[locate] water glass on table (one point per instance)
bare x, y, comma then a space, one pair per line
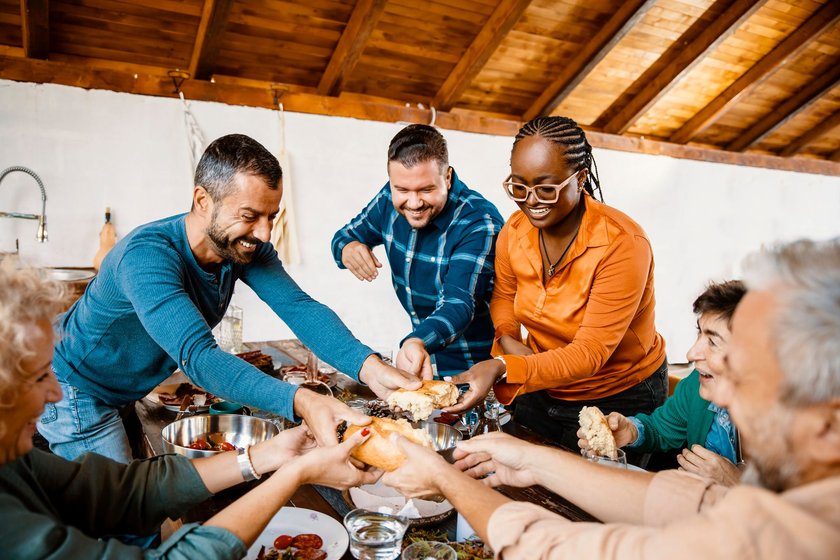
374, 535
620, 461
429, 550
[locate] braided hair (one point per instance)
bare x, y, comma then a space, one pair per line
567, 133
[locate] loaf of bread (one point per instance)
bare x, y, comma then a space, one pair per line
421, 402
597, 431
379, 451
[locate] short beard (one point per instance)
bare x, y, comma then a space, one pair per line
772, 468
222, 244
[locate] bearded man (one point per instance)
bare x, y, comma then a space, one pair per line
161, 290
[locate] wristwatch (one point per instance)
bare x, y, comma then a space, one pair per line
502, 378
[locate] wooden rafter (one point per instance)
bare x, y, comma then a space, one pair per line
676, 62
793, 45
351, 45
812, 135
148, 80
35, 28
803, 99
208, 40
576, 70
492, 33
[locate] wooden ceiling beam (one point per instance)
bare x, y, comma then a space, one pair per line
591, 53
350, 46
208, 39
140, 80
492, 33
792, 46
812, 135
35, 28
791, 107
683, 55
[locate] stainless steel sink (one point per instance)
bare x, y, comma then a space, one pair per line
70, 274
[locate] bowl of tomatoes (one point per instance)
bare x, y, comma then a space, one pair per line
206, 435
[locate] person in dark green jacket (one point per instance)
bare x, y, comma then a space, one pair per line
54, 508
688, 419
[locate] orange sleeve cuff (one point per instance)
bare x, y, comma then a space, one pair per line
517, 374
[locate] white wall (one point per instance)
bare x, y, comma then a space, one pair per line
96, 148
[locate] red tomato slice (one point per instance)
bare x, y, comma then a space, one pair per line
283, 541
310, 554
308, 540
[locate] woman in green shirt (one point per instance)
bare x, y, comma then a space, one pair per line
688, 419
54, 508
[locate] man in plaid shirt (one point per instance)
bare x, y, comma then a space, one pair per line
440, 238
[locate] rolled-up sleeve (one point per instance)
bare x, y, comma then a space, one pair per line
675, 495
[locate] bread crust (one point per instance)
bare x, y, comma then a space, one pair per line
378, 451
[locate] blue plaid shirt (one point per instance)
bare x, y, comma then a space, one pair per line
442, 273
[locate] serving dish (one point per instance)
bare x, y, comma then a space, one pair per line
236, 429
294, 521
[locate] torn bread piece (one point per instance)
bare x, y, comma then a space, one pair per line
597, 432
421, 402
379, 451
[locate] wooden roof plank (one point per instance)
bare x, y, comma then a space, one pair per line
794, 44
503, 18
350, 46
791, 107
35, 28
676, 62
576, 70
812, 135
208, 39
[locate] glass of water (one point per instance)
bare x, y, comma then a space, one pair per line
618, 462
374, 535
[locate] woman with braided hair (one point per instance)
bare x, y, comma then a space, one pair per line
578, 275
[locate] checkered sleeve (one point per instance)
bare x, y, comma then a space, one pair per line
366, 227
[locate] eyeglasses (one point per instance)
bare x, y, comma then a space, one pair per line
547, 194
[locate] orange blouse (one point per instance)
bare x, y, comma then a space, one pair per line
592, 326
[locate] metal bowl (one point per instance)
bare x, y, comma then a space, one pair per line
444, 438
237, 429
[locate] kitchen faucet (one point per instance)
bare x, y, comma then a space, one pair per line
42, 217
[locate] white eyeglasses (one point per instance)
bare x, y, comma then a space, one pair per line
547, 194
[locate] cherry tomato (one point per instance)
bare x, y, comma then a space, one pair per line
200, 444
227, 446
283, 541
308, 540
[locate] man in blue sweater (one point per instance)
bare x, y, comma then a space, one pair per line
162, 288
439, 237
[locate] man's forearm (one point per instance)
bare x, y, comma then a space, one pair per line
610, 494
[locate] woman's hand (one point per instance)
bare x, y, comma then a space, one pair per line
623, 430
421, 473
272, 454
510, 345
699, 460
332, 465
502, 458
481, 378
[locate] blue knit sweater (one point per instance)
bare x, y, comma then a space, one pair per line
151, 308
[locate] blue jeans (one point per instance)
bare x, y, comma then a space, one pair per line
81, 423
557, 420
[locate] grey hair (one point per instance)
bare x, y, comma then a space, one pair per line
232, 154
805, 276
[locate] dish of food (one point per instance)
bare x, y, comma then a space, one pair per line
171, 395
304, 525
378, 497
300, 370
216, 441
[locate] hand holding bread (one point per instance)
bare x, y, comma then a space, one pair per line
421, 402
595, 429
622, 429
378, 450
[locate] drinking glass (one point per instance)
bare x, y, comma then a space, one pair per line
620, 461
230, 330
429, 550
374, 535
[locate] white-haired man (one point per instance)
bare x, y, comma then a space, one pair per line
781, 384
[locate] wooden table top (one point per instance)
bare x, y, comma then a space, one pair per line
153, 417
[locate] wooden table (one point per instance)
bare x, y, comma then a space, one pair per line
154, 417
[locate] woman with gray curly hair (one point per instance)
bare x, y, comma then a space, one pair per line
51, 507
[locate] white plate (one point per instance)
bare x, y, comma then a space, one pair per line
294, 521
169, 388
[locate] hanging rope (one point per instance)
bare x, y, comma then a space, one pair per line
284, 234
195, 137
